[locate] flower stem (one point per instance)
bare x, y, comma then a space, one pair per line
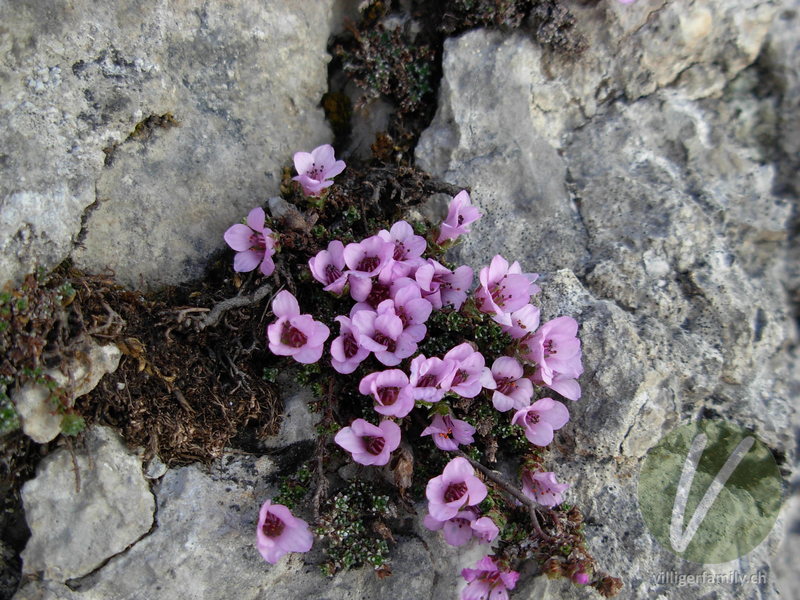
511, 491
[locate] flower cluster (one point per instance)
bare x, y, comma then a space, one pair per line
394, 284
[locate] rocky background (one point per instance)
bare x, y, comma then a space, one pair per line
652, 181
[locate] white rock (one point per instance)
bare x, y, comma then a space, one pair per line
39, 419
75, 531
244, 81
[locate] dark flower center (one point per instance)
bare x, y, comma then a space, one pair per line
385, 341
272, 526
448, 422
388, 395
460, 220
532, 418
315, 171
400, 251
506, 386
427, 381
455, 491
400, 311
497, 295
350, 346
490, 577
332, 273
292, 336
377, 294
368, 263
257, 241
461, 377
374, 445
446, 434
548, 348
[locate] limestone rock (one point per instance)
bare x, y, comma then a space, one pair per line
661, 213
299, 422
633, 50
73, 532
206, 521
142, 131
38, 419
484, 136
45, 590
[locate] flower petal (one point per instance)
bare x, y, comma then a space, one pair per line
541, 434
238, 237
285, 305
557, 416
246, 261
302, 161
308, 355
255, 220
324, 156
335, 169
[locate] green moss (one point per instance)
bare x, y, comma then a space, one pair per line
29, 315
72, 424
350, 526
387, 62
270, 374
9, 420
293, 488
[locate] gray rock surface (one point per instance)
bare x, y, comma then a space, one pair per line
663, 205
299, 421
203, 548
80, 167
39, 420
75, 527
650, 181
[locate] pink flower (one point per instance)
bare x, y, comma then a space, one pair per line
412, 309
369, 444
487, 581
512, 390
581, 577
523, 322
368, 257
460, 214
504, 289
543, 488
382, 333
408, 248
328, 267
346, 351
443, 287
541, 419
448, 432
471, 373
485, 529
368, 292
457, 530
315, 170
293, 334
279, 532
454, 489
461, 528
555, 348
563, 384
253, 243
430, 377
390, 391
557, 353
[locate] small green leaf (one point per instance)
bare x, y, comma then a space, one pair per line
72, 424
